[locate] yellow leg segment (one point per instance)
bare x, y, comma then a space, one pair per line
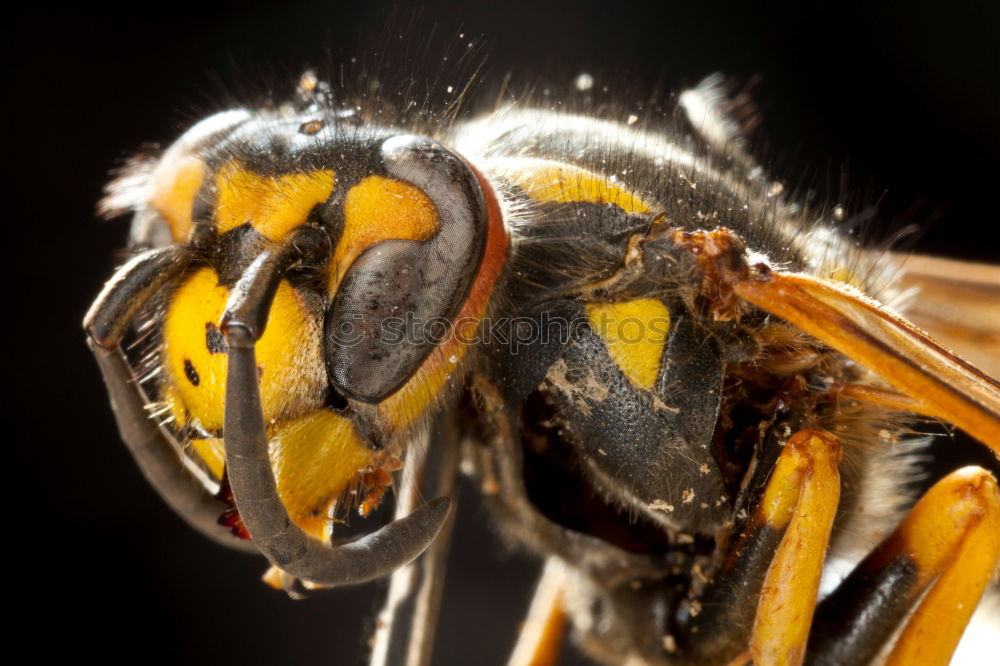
952, 536
542, 634
801, 498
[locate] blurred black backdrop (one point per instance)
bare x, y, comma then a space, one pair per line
906, 103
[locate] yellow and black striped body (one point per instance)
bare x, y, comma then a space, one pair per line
543, 280
624, 420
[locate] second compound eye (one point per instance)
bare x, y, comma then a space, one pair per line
411, 245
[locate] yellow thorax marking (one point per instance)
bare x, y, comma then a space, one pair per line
546, 180
635, 333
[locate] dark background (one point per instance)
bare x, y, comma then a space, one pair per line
899, 106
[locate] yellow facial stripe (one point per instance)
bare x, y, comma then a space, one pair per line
315, 458
635, 333
378, 209
174, 191
558, 182
273, 205
289, 354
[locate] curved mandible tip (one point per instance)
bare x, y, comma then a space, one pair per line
255, 491
153, 447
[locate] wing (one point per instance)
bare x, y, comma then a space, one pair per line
958, 303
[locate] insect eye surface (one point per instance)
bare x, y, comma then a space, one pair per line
418, 233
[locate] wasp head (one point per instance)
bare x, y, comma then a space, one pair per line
321, 274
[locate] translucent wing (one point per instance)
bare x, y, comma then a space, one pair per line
958, 303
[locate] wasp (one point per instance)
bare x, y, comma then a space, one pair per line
682, 390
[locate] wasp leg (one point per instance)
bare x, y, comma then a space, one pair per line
407, 622
867, 332
895, 400
128, 291
543, 631
944, 551
251, 477
768, 585
803, 494
153, 448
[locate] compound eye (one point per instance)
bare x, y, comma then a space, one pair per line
400, 294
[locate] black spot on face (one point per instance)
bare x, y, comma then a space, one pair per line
191, 373
214, 339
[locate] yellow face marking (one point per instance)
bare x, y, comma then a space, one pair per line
635, 333
378, 209
289, 354
273, 205
545, 180
314, 459
212, 452
175, 185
